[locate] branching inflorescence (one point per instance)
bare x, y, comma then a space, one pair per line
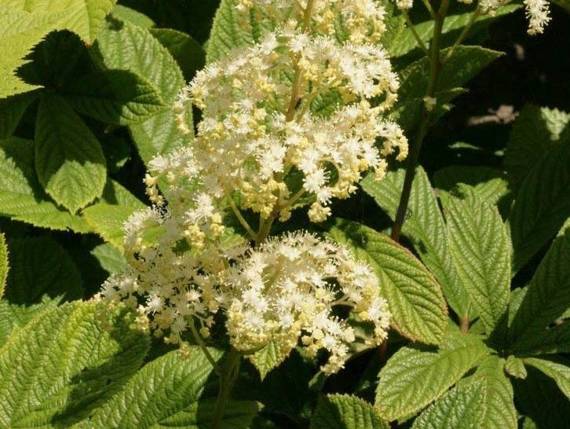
292, 121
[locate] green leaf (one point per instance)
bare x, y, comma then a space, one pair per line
4, 264
268, 358
345, 412
465, 63
414, 297
21, 196
114, 96
405, 41
133, 16
481, 249
125, 46
69, 160
463, 407
515, 367
19, 33
107, 217
547, 296
83, 17
11, 112
425, 227
414, 378
110, 258
230, 29
488, 184
500, 411
188, 53
558, 372
58, 368
14, 316
41, 269
170, 392
542, 204
535, 132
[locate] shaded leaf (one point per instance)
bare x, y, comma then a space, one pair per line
345, 412
559, 372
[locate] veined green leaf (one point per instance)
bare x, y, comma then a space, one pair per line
547, 296
110, 258
59, 367
4, 264
69, 160
41, 269
425, 227
14, 316
345, 412
268, 358
542, 204
114, 96
21, 196
19, 33
414, 297
133, 16
463, 407
488, 184
188, 53
560, 373
11, 112
498, 399
514, 366
125, 46
414, 378
83, 17
170, 392
535, 132
481, 248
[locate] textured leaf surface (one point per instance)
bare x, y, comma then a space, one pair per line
535, 132
481, 248
110, 258
83, 17
345, 412
69, 160
488, 184
542, 204
514, 366
414, 297
424, 225
114, 96
560, 373
41, 269
547, 297
63, 363
170, 392
22, 197
14, 316
188, 53
19, 33
230, 29
405, 41
125, 46
498, 398
414, 378
463, 407
268, 358
11, 111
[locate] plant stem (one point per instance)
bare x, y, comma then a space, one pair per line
200, 341
419, 40
227, 379
426, 117
241, 219
476, 13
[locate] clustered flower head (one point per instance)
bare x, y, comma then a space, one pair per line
289, 288
294, 120
537, 11
301, 102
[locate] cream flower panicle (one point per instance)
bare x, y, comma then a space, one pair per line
288, 289
299, 101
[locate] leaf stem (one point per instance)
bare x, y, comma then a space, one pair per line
476, 13
200, 341
426, 117
242, 220
228, 377
412, 27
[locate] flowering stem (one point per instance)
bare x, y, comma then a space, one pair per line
476, 13
227, 379
419, 40
242, 220
426, 118
200, 342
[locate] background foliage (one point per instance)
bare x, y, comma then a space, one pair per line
85, 101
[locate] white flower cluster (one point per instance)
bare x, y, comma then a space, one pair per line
298, 102
294, 120
537, 11
289, 289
